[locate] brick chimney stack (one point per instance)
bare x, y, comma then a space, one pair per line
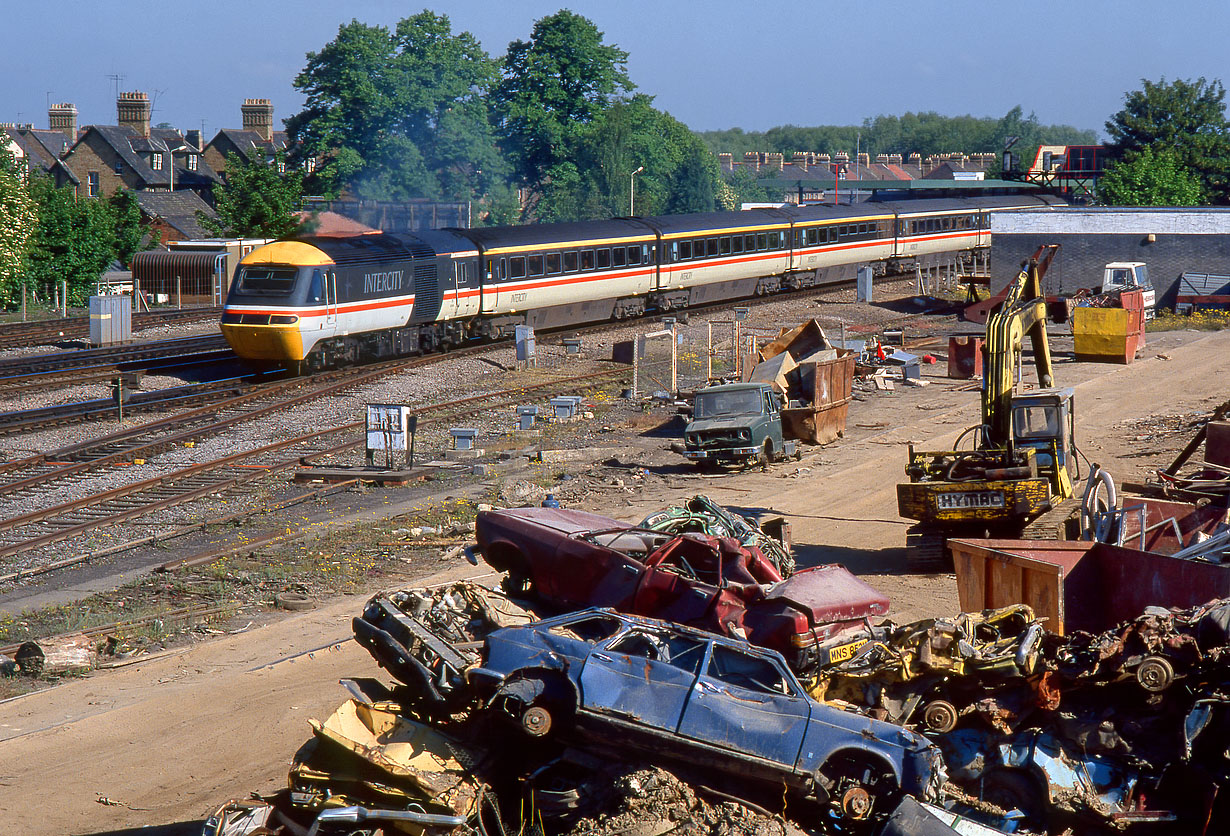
132, 111
63, 118
258, 116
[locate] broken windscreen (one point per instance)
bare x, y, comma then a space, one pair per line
725, 404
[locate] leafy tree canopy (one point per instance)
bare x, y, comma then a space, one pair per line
74, 240
1186, 117
678, 174
551, 87
399, 114
922, 133
18, 219
255, 200
1150, 177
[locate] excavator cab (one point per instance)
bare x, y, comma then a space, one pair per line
1044, 420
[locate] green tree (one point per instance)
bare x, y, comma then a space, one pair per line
552, 87
399, 114
678, 174
1186, 117
255, 200
74, 240
126, 216
18, 221
1150, 177
745, 188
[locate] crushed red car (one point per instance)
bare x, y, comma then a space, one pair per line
574, 559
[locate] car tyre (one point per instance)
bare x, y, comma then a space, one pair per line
860, 791
518, 584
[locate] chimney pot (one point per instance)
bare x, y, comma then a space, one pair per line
63, 118
132, 111
258, 117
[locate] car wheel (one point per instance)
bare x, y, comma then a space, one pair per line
940, 716
538, 703
859, 790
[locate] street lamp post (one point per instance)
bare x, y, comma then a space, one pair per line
171, 159
632, 190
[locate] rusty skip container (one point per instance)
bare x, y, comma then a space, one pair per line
1079, 585
1110, 335
824, 388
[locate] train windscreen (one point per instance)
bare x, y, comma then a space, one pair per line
267, 281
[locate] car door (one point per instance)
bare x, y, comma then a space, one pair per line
643, 676
748, 703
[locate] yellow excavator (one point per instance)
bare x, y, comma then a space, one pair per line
1016, 477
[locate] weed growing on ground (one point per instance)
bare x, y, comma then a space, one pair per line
1206, 320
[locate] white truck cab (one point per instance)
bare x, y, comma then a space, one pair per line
1130, 275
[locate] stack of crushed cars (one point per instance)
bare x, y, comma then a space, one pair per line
525, 707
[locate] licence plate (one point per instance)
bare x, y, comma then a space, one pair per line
845, 651
970, 499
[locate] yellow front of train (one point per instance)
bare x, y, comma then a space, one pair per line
268, 305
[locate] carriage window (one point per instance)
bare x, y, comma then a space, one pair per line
552, 263
516, 267
617, 256
570, 261
634, 255
775, 240
724, 245
698, 248
587, 259
711, 246
535, 265
736, 244
685, 250
762, 241
813, 236
604, 258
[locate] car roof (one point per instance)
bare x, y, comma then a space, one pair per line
732, 387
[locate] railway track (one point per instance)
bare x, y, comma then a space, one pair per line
44, 331
117, 357
26, 536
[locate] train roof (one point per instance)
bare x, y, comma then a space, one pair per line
498, 237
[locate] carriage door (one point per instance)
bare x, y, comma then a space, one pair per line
492, 272
331, 301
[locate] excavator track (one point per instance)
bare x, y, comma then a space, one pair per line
1055, 524
926, 550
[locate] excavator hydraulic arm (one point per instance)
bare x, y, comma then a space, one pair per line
1023, 312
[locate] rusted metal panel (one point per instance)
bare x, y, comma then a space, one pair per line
964, 357
1080, 585
1159, 532
829, 385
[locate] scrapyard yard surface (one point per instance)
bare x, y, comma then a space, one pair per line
167, 740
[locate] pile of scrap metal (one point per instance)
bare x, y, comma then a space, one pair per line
426, 638
701, 515
1207, 480
1088, 730
569, 560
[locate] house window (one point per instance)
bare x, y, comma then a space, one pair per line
156, 162
192, 162
281, 166
119, 166
93, 180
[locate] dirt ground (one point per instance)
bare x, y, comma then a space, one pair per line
160, 743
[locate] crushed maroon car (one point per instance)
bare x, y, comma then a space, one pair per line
574, 559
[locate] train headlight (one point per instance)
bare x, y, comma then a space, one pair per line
283, 319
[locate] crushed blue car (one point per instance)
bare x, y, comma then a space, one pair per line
632, 683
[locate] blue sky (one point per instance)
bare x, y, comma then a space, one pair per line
713, 64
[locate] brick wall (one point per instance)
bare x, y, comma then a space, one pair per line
1082, 257
96, 155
